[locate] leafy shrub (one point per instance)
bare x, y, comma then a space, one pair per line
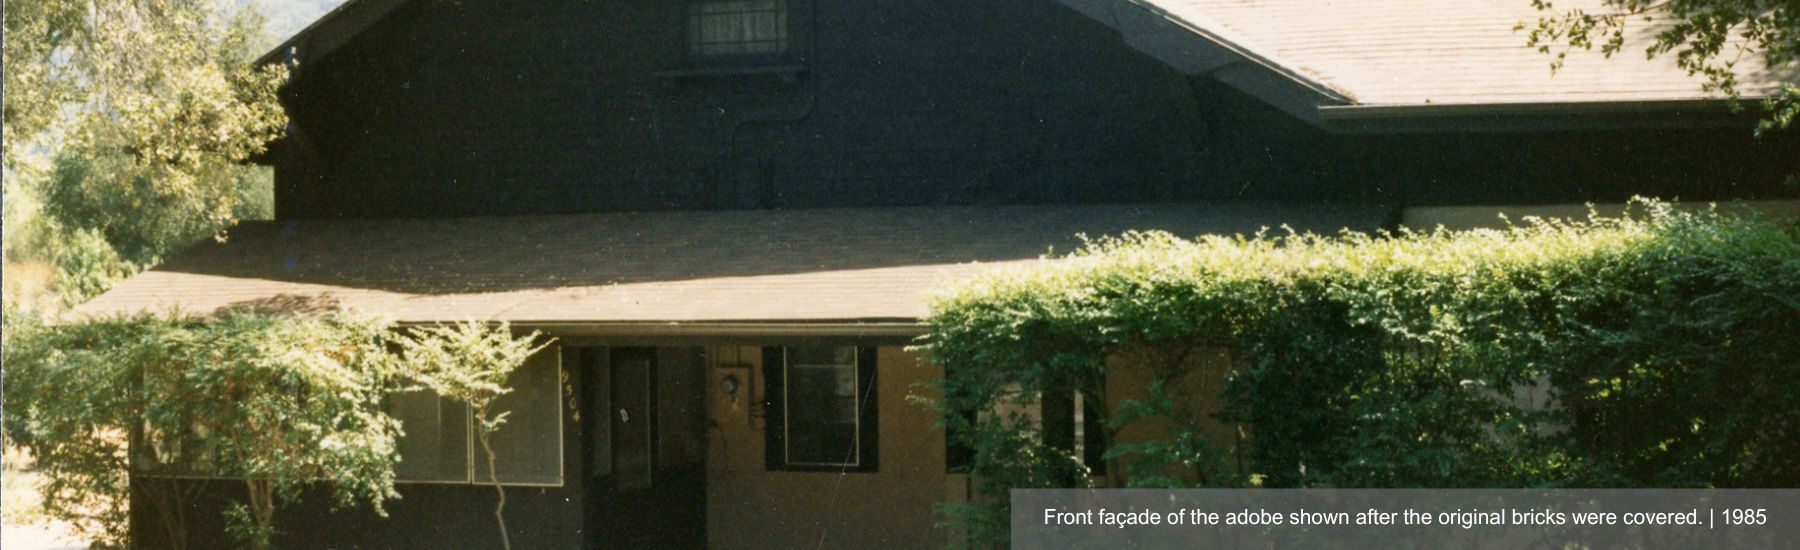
279, 403
86, 265
1660, 345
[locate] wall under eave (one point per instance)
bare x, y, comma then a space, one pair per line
749, 506
1257, 153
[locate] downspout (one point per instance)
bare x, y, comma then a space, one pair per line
805, 112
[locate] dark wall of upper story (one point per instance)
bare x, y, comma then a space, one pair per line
494, 107
446, 108
1255, 151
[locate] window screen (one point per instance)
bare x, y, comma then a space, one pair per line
737, 27
434, 445
528, 447
439, 444
822, 410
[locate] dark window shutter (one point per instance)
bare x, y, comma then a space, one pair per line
870, 434
774, 414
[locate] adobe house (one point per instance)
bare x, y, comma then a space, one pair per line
730, 213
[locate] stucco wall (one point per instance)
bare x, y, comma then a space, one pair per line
751, 507
1198, 392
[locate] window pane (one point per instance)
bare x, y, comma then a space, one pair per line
737, 27
435, 444
528, 447
171, 451
821, 406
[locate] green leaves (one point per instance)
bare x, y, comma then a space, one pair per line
282, 403
1707, 37
150, 111
1650, 350
469, 362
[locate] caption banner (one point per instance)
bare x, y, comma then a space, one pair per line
1405, 518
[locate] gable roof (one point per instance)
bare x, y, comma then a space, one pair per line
826, 265
1403, 53
1340, 59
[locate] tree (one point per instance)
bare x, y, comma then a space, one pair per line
1707, 37
280, 404
471, 362
150, 110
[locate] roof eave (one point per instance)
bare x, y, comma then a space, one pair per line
1537, 115
1159, 33
331, 30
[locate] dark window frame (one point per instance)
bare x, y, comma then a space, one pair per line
775, 426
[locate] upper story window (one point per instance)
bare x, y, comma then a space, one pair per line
719, 28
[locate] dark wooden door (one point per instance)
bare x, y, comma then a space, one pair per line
641, 499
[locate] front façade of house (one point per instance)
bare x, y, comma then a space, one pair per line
729, 213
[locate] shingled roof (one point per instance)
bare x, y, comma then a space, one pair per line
1341, 59
827, 265
1371, 53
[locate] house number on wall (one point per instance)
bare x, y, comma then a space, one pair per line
569, 397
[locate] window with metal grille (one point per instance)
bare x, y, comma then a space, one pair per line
719, 28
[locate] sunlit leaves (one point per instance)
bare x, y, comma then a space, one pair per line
1708, 38
150, 111
1649, 350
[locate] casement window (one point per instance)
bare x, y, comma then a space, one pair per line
723, 28
440, 446
821, 404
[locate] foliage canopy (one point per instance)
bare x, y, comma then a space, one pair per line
149, 111
280, 404
1654, 350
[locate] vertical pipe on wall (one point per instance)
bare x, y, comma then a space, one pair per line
764, 195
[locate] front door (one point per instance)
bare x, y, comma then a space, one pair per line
646, 497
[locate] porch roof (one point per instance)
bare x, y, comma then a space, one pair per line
832, 266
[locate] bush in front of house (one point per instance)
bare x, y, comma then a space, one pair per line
1660, 349
127, 410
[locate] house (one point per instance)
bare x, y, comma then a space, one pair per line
729, 213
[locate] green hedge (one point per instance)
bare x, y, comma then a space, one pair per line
1669, 342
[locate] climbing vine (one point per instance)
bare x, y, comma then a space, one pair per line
1654, 349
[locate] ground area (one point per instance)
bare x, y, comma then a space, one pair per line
22, 524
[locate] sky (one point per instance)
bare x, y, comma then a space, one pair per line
287, 17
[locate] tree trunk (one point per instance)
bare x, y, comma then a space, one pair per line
262, 511
494, 476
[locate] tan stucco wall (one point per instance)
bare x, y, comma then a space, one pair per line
1198, 390
751, 507
1488, 216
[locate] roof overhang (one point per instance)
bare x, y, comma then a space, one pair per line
1186, 43
1185, 36
1512, 117
843, 273
336, 28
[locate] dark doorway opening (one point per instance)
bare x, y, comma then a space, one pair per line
646, 447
